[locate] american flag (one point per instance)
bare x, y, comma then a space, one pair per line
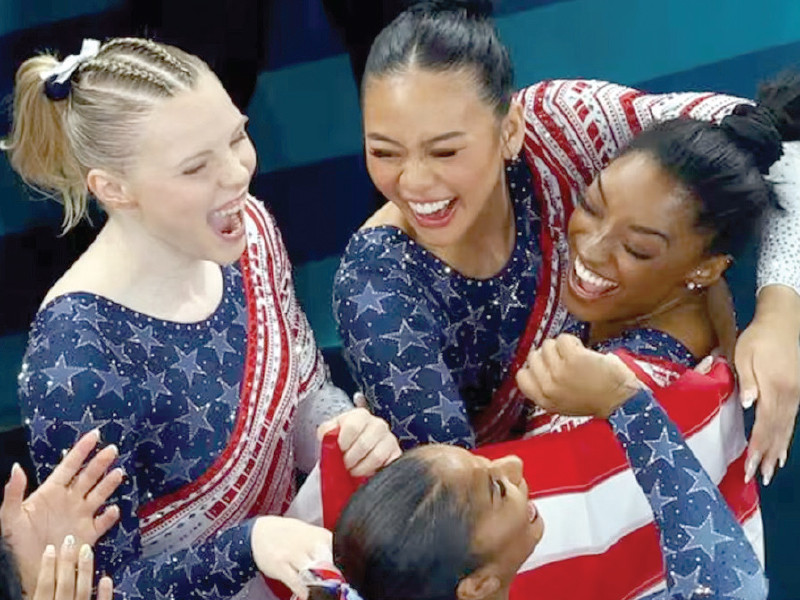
600, 541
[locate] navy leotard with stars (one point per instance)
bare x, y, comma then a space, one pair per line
706, 554
427, 345
166, 394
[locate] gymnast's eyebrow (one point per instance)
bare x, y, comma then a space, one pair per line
379, 137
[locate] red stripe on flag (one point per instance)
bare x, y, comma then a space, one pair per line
617, 574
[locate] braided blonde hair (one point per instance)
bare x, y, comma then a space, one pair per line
53, 144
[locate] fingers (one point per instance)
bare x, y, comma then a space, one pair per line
753, 461
65, 570
374, 437
386, 451
105, 589
14, 492
762, 453
748, 385
351, 426
327, 427
360, 400
321, 551
704, 366
100, 493
528, 380
71, 464
568, 344
769, 440
46, 582
83, 587
104, 522
290, 577
290, 572
95, 471
365, 441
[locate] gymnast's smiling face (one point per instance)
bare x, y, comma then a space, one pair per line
436, 149
634, 243
187, 187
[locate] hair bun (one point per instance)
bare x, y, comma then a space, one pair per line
479, 9
754, 129
782, 96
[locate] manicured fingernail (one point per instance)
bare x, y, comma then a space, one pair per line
748, 398
69, 541
15, 467
751, 466
86, 552
50, 550
767, 477
96, 433
114, 446
782, 459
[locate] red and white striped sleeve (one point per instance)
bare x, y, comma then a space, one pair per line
575, 127
582, 124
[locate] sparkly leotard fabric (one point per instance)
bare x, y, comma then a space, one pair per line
429, 345
705, 551
203, 415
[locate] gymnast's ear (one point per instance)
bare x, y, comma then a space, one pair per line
512, 131
479, 585
109, 189
709, 271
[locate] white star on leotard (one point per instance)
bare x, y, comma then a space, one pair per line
196, 418
704, 537
405, 338
219, 344
113, 382
188, 364
369, 299
60, 375
446, 409
663, 448
144, 337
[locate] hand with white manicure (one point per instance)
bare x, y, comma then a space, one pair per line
767, 360
69, 576
65, 506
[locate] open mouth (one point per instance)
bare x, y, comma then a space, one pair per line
588, 284
433, 214
228, 221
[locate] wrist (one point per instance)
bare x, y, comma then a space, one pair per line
626, 390
779, 305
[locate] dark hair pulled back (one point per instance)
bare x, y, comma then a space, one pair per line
405, 535
445, 35
722, 166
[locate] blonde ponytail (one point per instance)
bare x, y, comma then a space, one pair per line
38, 146
54, 143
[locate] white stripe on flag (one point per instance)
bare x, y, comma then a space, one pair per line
590, 522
